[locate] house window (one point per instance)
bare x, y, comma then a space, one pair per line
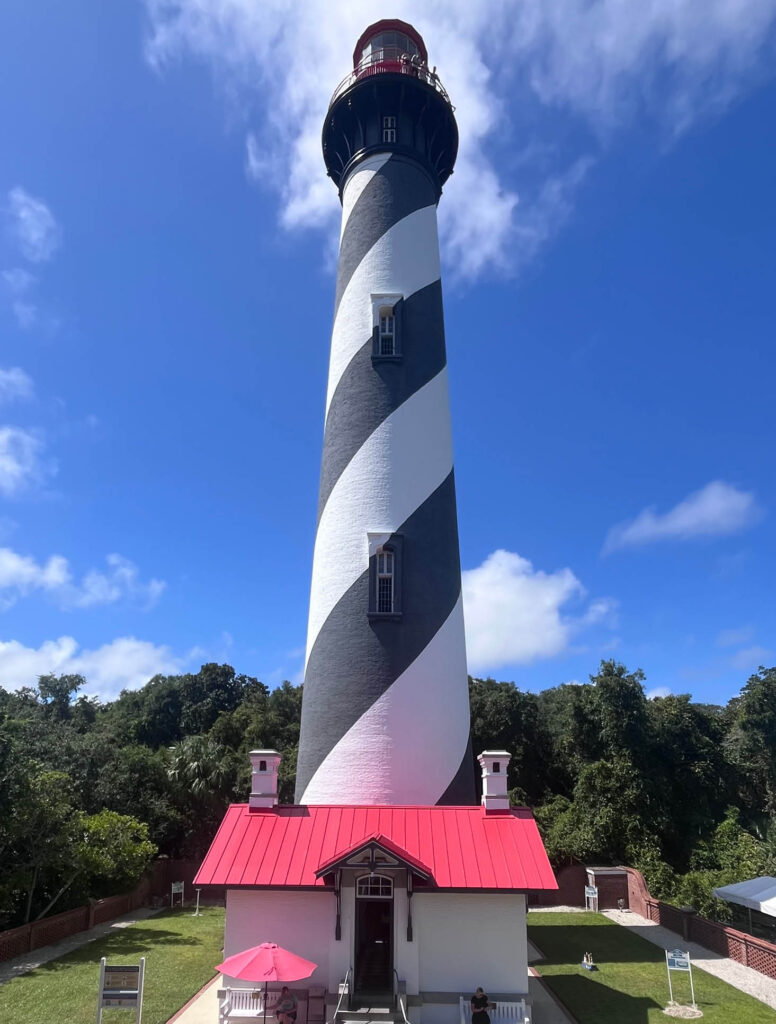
389, 129
374, 886
386, 332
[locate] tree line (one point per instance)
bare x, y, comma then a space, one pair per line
91, 791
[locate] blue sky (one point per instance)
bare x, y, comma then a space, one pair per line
167, 240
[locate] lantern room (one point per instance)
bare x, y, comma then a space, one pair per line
391, 101
390, 42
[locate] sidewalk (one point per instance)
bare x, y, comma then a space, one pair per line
743, 978
29, 961
545, 1008
201, 1008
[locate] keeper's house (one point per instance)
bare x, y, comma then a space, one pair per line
426, 900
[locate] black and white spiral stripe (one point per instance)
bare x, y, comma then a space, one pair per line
385, 716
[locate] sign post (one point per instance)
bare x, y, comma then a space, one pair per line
196, 912
679, 960
591, 897
176, 889
121, 987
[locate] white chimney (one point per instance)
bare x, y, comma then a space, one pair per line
264, 779
494, 779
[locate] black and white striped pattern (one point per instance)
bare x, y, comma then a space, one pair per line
385, 716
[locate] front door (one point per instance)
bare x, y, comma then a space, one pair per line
374, 944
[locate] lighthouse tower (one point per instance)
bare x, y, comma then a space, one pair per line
385, 713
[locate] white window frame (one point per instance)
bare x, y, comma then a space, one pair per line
389, 128
375, 881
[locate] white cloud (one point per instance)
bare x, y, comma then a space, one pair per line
735, 637
750, 658
658, 691
20, 575
509, 69
21, 463
515, 613
717, 510
14, 383
120, 581
19, 283
124, 663
33, 226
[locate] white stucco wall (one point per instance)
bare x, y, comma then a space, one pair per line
460, 940
471, 939
302, 922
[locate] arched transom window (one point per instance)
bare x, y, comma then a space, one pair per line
375, 886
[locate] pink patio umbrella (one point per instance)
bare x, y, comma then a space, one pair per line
267, 962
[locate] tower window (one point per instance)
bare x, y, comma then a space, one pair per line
262, 766
389, 129
385, 569
384, 582
386, 327
496, 767
386, 332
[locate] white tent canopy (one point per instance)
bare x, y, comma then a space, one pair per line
756, 894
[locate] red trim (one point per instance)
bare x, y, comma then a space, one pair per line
389, 25
379, 840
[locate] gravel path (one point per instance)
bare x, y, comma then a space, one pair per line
743, 978
29, 961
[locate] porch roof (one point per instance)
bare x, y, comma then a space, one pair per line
460, 847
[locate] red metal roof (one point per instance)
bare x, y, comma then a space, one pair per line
462, 847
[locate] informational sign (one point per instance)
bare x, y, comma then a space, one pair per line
679, 960
591, 897
176, 889
121, 987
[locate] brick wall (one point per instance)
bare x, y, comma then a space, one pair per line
570, 892
154, 886
744, 949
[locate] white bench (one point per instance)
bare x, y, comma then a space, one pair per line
245, 1004
505, 1013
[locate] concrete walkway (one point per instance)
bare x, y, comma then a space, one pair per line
545, 1008
743, 978
203, 1007
29, 961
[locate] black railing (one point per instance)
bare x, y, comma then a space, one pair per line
392, 60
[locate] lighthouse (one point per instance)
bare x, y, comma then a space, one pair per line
384, 872
385, 712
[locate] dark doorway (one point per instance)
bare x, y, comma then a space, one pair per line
374, 946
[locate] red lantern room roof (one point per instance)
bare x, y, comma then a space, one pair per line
389, 25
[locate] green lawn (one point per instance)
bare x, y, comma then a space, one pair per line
630, 985
180, 950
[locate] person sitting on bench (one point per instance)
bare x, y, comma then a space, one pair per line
285, 1011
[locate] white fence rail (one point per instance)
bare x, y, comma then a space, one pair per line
505, 1013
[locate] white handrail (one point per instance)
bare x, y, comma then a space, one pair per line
343, 990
